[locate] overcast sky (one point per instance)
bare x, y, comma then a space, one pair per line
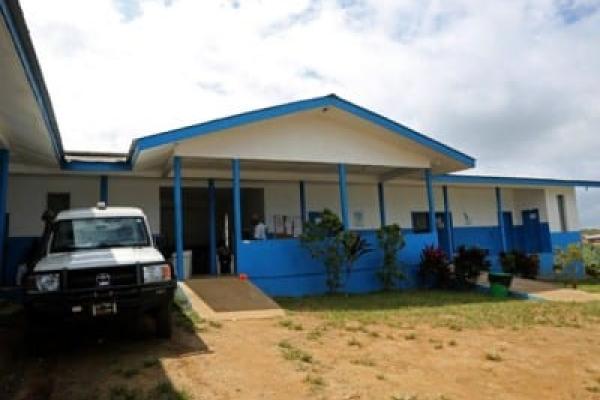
516, 84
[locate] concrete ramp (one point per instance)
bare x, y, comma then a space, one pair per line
229, 298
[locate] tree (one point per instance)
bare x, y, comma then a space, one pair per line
339, 249
391, 241
566, 262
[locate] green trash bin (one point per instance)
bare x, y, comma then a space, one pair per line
498, 290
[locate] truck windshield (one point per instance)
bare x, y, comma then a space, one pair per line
99, 233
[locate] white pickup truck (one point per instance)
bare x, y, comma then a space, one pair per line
100, 262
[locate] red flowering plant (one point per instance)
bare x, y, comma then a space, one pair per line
434, 268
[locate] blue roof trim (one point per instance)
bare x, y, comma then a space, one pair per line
96, 166
507, 180
331, 100
15, 22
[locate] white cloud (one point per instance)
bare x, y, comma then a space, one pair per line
513, 84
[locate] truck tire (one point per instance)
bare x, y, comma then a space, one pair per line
163, 321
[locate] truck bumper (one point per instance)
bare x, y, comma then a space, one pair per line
85, 304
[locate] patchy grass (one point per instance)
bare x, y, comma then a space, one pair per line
453, 310
293, 353
291, 325
127, 372
493, 356
589, 285
364, 361
162, 391
188, 319
122, 392
150, 362
316, 381
166, 391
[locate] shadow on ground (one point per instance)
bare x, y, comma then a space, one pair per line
111, 359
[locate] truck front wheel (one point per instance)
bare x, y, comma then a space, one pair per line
163, 321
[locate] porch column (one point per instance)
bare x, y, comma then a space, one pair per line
343, 195
4, 156
381, 195
303, 215
212, 227
104, 189
177, 204
501, 227
448, 222
431, 205
237, 212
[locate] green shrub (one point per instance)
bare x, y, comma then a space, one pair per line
566, 262
339, 249
518, 263
390, 241
591, 260
434, 268
468, 265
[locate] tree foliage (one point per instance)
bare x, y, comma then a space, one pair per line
391, 241
337, 248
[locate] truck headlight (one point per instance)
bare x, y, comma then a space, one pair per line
157, 273
47, 282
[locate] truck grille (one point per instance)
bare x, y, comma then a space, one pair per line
101, 277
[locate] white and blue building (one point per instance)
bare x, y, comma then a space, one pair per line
201, 183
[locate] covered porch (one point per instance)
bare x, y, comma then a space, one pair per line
289, 194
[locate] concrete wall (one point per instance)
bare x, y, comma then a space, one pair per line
27, 196
310, 137
572, 216
471, 207
529, 199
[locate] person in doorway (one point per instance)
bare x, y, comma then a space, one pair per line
224, 255
260, 229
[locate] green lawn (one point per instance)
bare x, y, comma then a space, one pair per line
455, 310
590, 285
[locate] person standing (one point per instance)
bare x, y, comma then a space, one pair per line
260, 229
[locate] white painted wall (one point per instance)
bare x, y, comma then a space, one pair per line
27, 200
529, 199
27, 197
572, 216
281, 198
142, 193
400, 201
309, 137
474, 206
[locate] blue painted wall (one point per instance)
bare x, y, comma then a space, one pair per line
282, 267
17, 250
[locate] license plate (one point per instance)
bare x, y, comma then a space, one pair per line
104, 309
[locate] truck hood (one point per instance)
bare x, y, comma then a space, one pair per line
99, 258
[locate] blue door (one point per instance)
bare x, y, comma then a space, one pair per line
508, 230
531, 231
444, 231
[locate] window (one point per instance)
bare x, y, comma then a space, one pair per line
99, 233
420, 221
560, 199
57, 202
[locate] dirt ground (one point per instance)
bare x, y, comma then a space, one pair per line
305, 357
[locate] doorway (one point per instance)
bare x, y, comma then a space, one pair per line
444, 231
531, 231
196, 217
